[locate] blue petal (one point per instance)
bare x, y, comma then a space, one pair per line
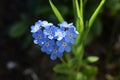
38, 23
50, 48
67, 49
60, 34
50, 37
47, 52
61, 49
58, 43
62, 28
46, 31
72, 41
43, 49
59, 38
53, 57
74, 35
52, 42
39, 31
63, 23
35, 42
40, 42
60, 55
46, 24
34, 35
67, 39
71, 29
32, 27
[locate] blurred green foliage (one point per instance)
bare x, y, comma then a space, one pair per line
114, 6
17, 30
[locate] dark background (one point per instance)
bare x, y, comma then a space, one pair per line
20, 59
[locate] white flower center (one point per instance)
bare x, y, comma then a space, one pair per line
60, 34
47, 44
36, 28
50, 32
54, 51
64, 44
70, 35
39, 36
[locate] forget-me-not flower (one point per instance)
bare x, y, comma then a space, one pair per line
66, 25
36, 27
39, 37
48, 46
50, 31
60, 34
71, 34
55, 53
54, 40
46, 24
63, 46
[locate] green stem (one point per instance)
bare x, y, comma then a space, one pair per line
80, 48
80, 57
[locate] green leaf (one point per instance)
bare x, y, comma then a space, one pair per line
72, 62
17, 30
61, 68
81, 76
78, 19
56, 12
79, 50
75, 15
80, 28
92, 19
81, 8
77, 9
92, 59
90, 72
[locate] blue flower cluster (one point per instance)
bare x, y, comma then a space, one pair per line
54, 40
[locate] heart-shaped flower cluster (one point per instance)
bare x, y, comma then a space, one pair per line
54, 40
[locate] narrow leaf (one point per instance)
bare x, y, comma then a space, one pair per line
81, 8
77, 8
75, 15
81, 26
56, 12
95, 13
